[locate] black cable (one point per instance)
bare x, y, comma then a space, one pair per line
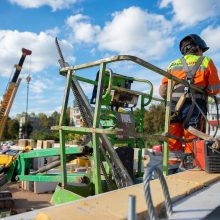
203, 114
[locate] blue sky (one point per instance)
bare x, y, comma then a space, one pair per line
89, 30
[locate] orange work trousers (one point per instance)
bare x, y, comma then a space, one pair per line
177, 130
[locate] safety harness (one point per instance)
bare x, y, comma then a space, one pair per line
182, 92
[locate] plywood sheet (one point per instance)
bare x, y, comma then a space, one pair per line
114, 205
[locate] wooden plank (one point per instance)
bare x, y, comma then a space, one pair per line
200, 134
114, 205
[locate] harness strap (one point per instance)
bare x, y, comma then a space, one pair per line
190, 74
189, 114
181, 89
177, 95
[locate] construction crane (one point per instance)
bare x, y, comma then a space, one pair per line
11, 90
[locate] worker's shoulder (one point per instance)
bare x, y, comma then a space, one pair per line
174, 63
190, 60
206, 60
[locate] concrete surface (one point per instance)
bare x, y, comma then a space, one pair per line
198, 205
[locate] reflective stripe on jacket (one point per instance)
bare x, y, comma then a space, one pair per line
206, 77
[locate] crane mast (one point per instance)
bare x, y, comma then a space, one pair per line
11, 90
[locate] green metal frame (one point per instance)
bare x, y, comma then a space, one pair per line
143, 95
166, 128
95, 130
105, 83
24, 160
70, 178
62, 132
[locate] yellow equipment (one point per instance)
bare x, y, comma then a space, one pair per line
11, 90
6, 160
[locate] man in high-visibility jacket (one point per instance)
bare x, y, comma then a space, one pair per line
199, 71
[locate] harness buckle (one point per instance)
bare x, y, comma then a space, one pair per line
189, 80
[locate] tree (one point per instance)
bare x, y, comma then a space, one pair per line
32, 115
54, 118
45, 135
5, 131
27, 126
38, 135
154, 119
44, 122
67, 117
13, 128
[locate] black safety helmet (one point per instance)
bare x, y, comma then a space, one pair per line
197, 40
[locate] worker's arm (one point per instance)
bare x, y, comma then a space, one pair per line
163, 90
213, 87
163, 86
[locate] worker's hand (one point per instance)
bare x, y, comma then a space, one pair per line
163, 91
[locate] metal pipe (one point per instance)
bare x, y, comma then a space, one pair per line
131, 207
135, 60
47, 167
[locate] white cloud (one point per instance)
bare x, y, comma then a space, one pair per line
53, 32
43, 48
212, 35
131, 31
137, 32
190, 12
54, 4
83, 31
38, 86
87, 88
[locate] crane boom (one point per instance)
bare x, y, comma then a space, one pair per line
7, 98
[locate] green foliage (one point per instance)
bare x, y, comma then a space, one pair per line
54, 118
5, 135
27, 126
13, 128
67, 117
38, 126
71, 136
44, 135
39, 135
154, 119
44, 132
43, 121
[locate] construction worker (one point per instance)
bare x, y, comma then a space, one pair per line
197, 70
